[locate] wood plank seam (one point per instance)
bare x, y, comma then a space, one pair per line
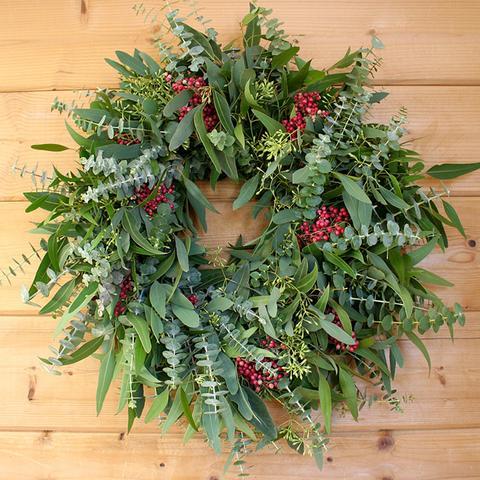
375, 83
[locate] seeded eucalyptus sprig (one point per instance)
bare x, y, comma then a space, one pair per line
322, 296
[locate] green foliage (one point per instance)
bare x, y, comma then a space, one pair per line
307, 312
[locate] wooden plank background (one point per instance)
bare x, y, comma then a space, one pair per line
48, 426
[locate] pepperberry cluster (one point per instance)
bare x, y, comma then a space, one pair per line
340, 345
196, 84
257, 378
126, 139
295, 124
126, 287
193, 299
330, 220
307, 104
164, 195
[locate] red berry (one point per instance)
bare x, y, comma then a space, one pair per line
193, 299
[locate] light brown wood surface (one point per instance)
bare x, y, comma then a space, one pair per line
58, 45
48, 426
435, 114
383, 455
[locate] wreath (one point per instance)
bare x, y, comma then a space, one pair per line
307, 313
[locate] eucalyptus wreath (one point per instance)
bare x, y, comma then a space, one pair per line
307, 313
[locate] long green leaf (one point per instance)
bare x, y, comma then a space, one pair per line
305, 283
182, 254
141, 327
84, 351
342, 315
186, 409
429, 277
269, 123
105, 376
223, 111
60, 298
239, 135
406, 299
247, 192
158, 406
421, 346
325, 395
336, 332
296, 79
340, 263
45, 200
353, 188
177, 102
176, 409
80, 301
187, 316
211, 426
393, 199
183, 131
453, 216
286, 216
349, 391
373, 357
129, 225
50, 147
261, 417
158, 298
422, 252
447, 171
203, 136
196, 194
132, 62
323, 300
82, 141
284, 57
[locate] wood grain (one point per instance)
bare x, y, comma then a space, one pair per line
61, 45
382, 455
48, 426
460, 264
25, 119
37, 400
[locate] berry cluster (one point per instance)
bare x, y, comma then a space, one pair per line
306, 105
340, 345
126, 139
330, 220
193, 299
294, 125
196, 84
164, 195
126, 287
257, 378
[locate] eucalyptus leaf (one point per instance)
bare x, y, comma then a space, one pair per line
247, 192
50, 147
105, 376
159, 404
141, 327
325, 396
349, 391
183, 130
178, 101
182, 254
60, 298
83, 352
447, 171
353, 188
